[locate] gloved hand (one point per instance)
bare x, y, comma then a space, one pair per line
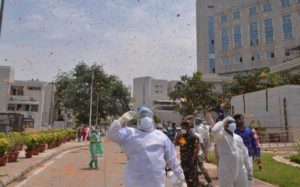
126, 117
180, 180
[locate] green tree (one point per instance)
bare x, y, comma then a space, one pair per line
194, 94
73, 92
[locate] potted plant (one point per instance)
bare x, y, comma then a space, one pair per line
3, 147
42, 142
31, 142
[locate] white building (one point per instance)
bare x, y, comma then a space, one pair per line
34, 99
276, 108
154, 94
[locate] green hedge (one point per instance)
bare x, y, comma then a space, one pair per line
295, 158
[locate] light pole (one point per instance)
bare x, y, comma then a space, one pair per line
91, 104
1, 15
97, 109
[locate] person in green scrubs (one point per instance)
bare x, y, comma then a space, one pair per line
96, 148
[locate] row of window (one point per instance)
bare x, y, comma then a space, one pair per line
22, 107
287, 29
254, 57
267, 6
19, 90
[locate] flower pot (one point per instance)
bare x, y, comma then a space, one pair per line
3, 160
36, 151
28, 153
49, 145
42, 148
12, 156
19, 148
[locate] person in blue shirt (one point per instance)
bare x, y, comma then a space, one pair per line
248, 139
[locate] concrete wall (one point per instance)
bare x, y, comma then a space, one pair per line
6, 77
256, 103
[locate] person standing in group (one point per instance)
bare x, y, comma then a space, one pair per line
79, 134
234, 168
203, 131
258, 160
249, 141
189, 149
96, 149
148, 150
83, 133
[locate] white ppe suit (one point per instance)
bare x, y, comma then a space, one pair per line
148, 152
233, 165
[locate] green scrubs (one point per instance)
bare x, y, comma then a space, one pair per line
96, 149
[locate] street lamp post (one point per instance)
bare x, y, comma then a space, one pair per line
1, 14
91, 104
97, 109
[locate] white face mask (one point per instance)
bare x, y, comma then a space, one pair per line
231, 127
183, 131
146, 124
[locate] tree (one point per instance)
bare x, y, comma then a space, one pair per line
73, 92
194, 94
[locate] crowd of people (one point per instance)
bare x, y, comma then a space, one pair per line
151, 153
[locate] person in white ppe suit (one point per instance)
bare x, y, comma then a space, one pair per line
234, 167
148, 151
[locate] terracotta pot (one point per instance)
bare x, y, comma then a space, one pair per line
49, 145
12, 156
36, 151
19, 148
42, 148
3, 160
28, 153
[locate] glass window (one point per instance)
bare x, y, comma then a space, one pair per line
287, 27
11, 107
236, 15
225, 60
34, 88
16, 90
224, 38
237, 37
253, 34
211, 34
285, 3
212, 65
238, 59
223, 18
270, 55
253, 10
268, 30
255, 57
267, 7
34, 108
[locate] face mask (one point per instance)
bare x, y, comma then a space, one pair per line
183, 131
146, 124
231, 127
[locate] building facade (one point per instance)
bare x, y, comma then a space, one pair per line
34, 99
236, 36
154, 94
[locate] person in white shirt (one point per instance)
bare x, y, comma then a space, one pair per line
203, 131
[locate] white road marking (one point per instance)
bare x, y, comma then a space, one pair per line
39, 170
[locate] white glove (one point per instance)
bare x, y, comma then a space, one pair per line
180, 180
126, 117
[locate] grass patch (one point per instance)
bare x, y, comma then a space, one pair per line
295, 158
273, 172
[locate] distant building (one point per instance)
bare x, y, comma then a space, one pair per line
276, 108
154, 93
236, 36
34, 99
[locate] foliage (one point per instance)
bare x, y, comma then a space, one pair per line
156, 119
31, 141
2, 135
73, 92
3, 146
15, 139
295, 158
194, 93
297, 146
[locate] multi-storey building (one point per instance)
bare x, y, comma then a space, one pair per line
237, 36
34, 99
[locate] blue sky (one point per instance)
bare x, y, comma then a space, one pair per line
130, 38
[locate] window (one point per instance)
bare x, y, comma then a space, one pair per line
253, 11
224, 18
34, 108
224, 38
255, 57
267, 7
238, 59
237, 37
16, 90
212, 65
285, 3
11, 107
236, 15
268, 30
253, 34
287, 27
225, 60
34, 88
270, 55
287, 52
211, 34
